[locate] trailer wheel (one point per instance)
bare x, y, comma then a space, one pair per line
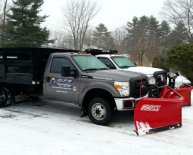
99, 111
3, 97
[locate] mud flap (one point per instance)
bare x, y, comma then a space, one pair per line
158, 113
185, 91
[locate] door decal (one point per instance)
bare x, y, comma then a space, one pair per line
64, 84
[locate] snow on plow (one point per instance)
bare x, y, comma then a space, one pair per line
158, 113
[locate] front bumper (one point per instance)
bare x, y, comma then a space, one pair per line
125, 104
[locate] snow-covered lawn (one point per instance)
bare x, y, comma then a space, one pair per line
53, 128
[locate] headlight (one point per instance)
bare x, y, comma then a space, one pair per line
151, 81
122, 87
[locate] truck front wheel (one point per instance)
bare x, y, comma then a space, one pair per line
99, 111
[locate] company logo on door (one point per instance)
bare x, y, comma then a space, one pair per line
147, 107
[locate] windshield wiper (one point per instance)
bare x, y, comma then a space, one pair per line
94, 69
125, 66
90, 69
102, 68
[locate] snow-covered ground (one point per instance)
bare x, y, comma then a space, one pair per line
53, 128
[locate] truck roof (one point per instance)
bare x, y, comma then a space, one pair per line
100, 51
69, 53
110, 55
35, 50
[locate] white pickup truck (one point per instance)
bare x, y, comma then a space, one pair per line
122, 62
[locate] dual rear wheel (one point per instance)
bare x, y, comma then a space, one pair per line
5, 97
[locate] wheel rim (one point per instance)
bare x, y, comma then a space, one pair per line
98, 111
3, 97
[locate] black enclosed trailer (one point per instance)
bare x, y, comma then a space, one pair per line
22, 69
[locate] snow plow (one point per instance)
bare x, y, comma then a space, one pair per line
186, 91
163, 110
155, 114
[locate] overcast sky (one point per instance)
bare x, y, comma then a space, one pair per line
112, 13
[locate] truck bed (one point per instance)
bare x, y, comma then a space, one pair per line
24, 65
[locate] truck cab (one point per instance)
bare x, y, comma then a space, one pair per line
86, 81
122, 62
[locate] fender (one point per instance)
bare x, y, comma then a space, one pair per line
98, 85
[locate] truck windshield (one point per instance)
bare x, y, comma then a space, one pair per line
89, 63
123, 62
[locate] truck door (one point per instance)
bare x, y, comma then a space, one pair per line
60, 88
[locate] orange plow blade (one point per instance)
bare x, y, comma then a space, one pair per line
158, 113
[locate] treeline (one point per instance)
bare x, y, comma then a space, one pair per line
142, 38
146, 39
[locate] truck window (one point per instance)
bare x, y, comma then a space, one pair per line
89, 62
123, 62
107, 62
57, 64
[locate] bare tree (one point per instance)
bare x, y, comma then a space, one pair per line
1, 5
88, 40
119, 35
77, 15
61, 40
4, 9
180, 11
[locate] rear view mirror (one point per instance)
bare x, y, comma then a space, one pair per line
110, 66
177, 73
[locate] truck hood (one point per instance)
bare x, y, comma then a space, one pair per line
116, 75
149, 71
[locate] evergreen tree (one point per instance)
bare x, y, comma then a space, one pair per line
23, 25
164, 30
178, 35
102, 37
180, 57
143, 38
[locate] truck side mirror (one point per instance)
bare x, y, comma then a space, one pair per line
110, 66
67, 72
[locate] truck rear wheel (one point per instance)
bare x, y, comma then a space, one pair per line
3, 97
99, 111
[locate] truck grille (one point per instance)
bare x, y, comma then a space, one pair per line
138, 87
161, 78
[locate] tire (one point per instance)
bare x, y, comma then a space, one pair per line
3, 97
99, 111
10, 97
6, 97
